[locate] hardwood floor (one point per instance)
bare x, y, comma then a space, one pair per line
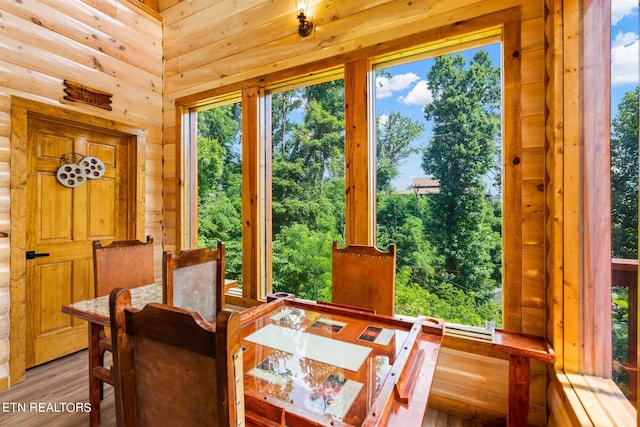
43, 398
50, 392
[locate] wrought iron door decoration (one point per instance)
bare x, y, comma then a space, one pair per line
75, 169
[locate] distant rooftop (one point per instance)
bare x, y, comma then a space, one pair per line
422, 186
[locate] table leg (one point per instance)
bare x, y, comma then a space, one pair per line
518, 391
94, 383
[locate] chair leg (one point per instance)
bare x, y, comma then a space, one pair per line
101, 362
94, 383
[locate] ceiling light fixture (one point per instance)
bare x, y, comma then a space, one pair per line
305, 27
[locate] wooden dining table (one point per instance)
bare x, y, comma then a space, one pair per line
96, 312
316, 364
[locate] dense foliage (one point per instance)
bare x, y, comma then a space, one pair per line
624, 178
462, 153
624, 219
448, 245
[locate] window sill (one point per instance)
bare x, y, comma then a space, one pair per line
595, 401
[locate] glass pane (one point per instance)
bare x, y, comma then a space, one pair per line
439, 183
219, 183
624, 193
307, 187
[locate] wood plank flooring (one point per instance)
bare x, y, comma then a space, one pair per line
59, 383
65, 381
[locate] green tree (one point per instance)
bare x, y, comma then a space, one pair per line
302, 258
461, 154
219, 183
222, 124
394, 136
624, 178
624, 219
307, 186
307, 157
401, 220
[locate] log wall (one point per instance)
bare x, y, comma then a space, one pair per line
109, 45
209, 45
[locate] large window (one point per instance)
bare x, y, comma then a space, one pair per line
307, 190
624, 193
304, 150
439, 183
219, 190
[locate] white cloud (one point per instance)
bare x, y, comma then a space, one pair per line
385, 86
622, 8
419, 95
625, 51
383, 119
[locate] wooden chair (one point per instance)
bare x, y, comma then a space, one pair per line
194, 279
363, 276
174, 368
121, 264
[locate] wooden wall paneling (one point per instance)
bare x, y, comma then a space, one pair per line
533, 163
478, 31
512, 178
566, 409
40, 85
532, 98
240, 25
538, 401
535, 296
150, 6
121, 17
236, 31
27, 83
163, 5
197, 45
532, 72
175, 10
252, 201
534, 320
47, 49
171, 214
141, 8
533, 131
492, 371
554, 96
534, 202
147, 29
533, 35
336, 37
596, 188
482, 380
359, 157
571, 184
5, 228
55, 20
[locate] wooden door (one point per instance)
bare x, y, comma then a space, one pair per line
62, 221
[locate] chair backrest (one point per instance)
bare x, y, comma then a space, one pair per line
174, 368
122, 264
363, 276
194, 279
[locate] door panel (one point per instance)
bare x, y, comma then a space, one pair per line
63, 222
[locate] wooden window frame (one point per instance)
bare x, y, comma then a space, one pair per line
359, 179
580, 232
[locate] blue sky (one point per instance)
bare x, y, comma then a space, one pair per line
406, 90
